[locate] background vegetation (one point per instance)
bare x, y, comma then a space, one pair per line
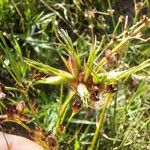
74, 74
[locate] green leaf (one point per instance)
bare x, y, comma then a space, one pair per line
15, 66
115, 76
55, 80
68, 45
48, 69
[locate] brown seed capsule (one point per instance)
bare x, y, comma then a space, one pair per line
113, 37
111, 88
16, 113
76, 105
11, 110
51, 141
108, 53
2, 91
94, 96
121, 19
36, 75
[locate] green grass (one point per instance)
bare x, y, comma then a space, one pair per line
81, 68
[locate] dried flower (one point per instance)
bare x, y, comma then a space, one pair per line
111, 57
111, 12
83, 93
139, 6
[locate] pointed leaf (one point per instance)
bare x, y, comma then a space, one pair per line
115, 76
54, 80
47, 69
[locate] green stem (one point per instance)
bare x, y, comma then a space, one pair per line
61, 97
101, 121
63, 109
26, 98
116, 27
69, 120
110, 7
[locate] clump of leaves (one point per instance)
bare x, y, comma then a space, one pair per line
90, 78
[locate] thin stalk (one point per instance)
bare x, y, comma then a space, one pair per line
26, 98
101, 121
61, 97
63, 109
116, 27
113, 21
99, 47
20, 15
136, 13
68, 122
114, 115
101, 64
79, 130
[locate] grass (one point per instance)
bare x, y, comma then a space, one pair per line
75, 75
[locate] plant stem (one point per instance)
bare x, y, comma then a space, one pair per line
101, 121
26, 98
63, 109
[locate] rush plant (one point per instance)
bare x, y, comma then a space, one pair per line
75, 77
93, 78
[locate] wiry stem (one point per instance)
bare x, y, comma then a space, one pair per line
63, 109
101, 120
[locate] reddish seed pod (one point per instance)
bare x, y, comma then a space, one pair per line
2, 87
36, 75
11, 110
94, 96
111, 88
2, 91
76, 105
